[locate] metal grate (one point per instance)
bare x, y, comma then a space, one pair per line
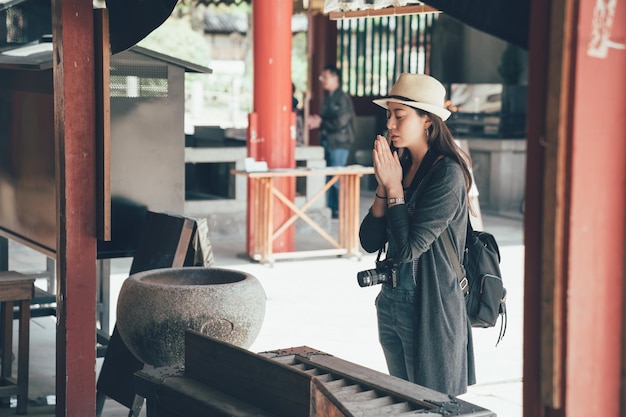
134, 87
373, 52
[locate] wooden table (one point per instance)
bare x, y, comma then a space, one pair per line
15, 287
264, 232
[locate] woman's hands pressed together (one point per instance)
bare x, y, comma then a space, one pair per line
388, 172
387, 168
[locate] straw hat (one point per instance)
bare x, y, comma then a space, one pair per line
420, 91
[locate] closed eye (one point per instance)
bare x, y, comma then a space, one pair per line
398, 114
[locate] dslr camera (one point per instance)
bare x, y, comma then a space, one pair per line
385, 271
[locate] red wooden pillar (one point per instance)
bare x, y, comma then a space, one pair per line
594, 308
272, 103
74, 119
576, 200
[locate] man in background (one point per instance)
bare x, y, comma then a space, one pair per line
336, 124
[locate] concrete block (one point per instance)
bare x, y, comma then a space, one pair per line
499, 167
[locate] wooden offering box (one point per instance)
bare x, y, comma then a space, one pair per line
219, 379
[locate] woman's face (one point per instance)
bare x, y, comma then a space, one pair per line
406, 126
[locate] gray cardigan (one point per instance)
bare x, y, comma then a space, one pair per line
444, 356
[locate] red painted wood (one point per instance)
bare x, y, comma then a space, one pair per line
74, 102
598, 198
272, 99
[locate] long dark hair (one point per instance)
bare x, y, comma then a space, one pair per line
441, 141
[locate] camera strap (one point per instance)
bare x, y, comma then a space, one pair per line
380, 251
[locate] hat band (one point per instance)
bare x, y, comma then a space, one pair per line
402, 98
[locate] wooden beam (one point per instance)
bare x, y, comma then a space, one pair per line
556, 208
75, 152
388, 11
103, 122
539, 56
4, 254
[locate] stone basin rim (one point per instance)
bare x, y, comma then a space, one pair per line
199, 277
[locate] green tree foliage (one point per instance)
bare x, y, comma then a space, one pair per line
299, 64
182, 36
510, 66
176, 38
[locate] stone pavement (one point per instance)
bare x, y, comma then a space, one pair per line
317, 302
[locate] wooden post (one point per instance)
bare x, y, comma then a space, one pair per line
252, 220
75, 149
4, 254
533, 214
597, 197
575, 204
322, 51
272, 100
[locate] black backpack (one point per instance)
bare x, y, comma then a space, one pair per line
482, 285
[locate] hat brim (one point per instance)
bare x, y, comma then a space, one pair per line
430, 108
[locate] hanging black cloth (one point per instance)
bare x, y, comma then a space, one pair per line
132, 20
507, 20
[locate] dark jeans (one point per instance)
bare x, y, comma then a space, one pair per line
335, 158
396, 313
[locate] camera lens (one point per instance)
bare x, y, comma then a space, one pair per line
366, 278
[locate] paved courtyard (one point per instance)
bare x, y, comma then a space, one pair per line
317, 303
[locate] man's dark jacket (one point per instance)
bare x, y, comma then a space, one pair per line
337, 115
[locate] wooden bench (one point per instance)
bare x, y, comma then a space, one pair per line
15, 287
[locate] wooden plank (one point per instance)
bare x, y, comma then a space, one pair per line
556, 204
377, 380
315, 253
252, 378
305, 172
384, 405
539, 57
75, 150
178, 396
15, 286
163, 243
354, 388
324, 405
4, 253
388, 11
264, 234
23, 356
220, 379
103, 122
6, 324
9, 390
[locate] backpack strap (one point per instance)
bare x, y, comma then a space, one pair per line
447, 241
